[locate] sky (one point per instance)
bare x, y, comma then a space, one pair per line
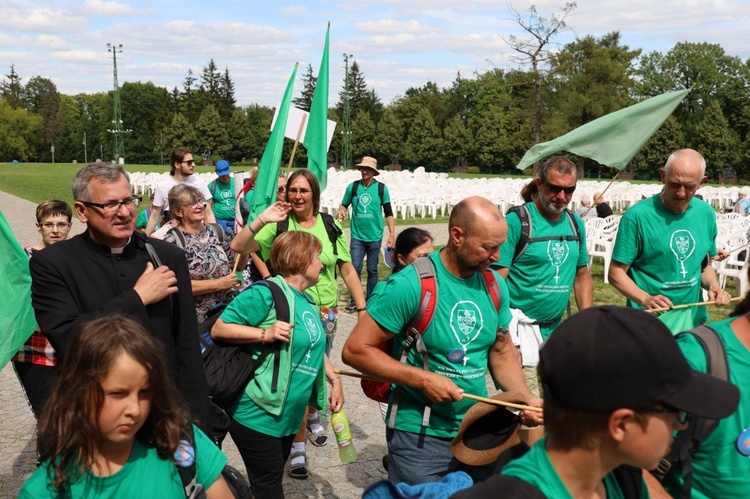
397, 43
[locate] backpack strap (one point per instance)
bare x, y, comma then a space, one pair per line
355, 187
179, 237
212, 188
699, 429
527, 229
218, 230
492, 287
381, 190
282, 314
184, 460
419, 324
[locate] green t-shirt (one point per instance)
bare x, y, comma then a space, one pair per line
223, 199
326, 292
719, 470
541, 280
535, 468
367, 215
145, 474
142, 220
665, 250
251, 308
458, 341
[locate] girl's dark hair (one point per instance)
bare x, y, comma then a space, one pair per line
314, 187
406, 241
68, 433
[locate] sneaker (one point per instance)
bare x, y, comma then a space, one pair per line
351, 307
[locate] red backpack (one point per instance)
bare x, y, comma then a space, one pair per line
380, 391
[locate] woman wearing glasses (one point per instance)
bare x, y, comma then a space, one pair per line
35, 361
210, 261
303, 199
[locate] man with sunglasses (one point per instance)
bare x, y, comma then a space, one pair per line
183, 167
113, 268
541, 277
661, 254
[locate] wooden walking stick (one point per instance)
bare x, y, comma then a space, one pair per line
689, 305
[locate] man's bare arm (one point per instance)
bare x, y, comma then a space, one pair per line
583, 286
619, 278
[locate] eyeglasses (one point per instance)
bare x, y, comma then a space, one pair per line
114, 206
681, 415
556, 189
303, 192
189, 162
53, 226
194, 202
281, 189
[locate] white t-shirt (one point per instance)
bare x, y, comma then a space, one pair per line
162, 189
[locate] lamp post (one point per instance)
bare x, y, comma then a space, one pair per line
346, 143
117, 131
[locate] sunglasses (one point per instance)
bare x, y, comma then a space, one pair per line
189, 162
681, 415
556, 189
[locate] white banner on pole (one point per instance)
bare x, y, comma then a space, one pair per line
294, 120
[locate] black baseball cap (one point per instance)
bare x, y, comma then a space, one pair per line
606, 358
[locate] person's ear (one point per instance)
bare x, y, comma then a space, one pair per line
662, 175
456, 235
402, 261
620, 422
80, 211
705, 177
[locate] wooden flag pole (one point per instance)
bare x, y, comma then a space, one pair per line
296, 141
689, 305
467, 395
593, 204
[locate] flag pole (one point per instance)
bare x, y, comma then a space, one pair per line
296, 143
689, 305
467, 395
605, 190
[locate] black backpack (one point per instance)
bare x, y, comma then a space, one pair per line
180, 240
527, 231
688, 440
381, 189
194, 490
228, 366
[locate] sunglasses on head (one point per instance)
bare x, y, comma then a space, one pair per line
556, 189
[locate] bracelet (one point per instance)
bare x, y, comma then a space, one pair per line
361, 309
263, 336
265, 278
334, 379
261, 220
250, 228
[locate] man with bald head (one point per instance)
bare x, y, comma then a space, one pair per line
664, 244
467, 335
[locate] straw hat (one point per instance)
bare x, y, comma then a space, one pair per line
369, 162
487, 431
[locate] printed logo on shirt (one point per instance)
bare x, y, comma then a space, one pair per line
365, 200
682, 244
312, 325
557, 252
466, 323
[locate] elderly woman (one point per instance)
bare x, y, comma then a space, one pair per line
303, 199
210, 260
264, 422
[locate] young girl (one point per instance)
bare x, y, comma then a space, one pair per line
113, 422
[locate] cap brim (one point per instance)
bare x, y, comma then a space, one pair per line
706, 396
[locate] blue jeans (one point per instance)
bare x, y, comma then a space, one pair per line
415, 458
358, 250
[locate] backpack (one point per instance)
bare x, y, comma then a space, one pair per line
181, 242
186, 468
688, 440
229, 367
381, 390
527, 231
381, 189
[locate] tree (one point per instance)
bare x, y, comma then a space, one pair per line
360, 98
535, 50
180, 133
667, 139
308, 88
363, 135
259, 120
226, 95
211, 132
717, 142
145, 111
238, 135
389, 138
12, 90
18, 129
424, 141
40, 96
458, 141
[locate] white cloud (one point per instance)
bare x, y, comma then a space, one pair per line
293, 10
20, 18
112, 9
394, 26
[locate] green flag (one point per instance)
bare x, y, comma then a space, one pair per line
613, 139
270, 163
16, 315
316, 136
679, 320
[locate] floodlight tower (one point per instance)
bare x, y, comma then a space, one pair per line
116, 130
346, 143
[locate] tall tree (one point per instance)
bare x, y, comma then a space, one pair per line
389, 138
667, 139
717, 142
259, 120
18, 132
424, 141
458, 141
536, 49
180, 133
360, 97
40, 96
190, 98
363, 135
145, 110
226, 94
308, 88
12, 90
211, 132
238, 136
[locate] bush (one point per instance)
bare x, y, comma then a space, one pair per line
474, 169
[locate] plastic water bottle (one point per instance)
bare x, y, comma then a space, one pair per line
340, 423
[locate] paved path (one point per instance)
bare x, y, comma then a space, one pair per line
328, 477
